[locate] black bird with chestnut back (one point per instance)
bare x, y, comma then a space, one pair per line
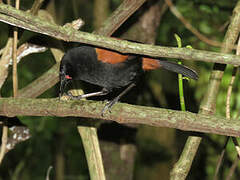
110, 70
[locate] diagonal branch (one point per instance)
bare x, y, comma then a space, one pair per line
25, 20
187, 24
41, 84
119, 16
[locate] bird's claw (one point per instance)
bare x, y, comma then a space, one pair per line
109, 106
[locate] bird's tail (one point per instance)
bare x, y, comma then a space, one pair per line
178, 68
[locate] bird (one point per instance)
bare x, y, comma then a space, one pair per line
110, 70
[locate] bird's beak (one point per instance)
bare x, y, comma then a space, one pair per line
63, 83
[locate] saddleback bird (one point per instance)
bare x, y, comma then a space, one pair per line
110, 70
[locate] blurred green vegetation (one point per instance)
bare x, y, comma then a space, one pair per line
53, 136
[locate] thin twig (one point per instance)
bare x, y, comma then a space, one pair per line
14, 56
48, 172
180, 78
229, 93
188, 25
4, 142
232, 169
220, 159
4, 61
27, 49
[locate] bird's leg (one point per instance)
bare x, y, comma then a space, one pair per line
109, 104
104, 91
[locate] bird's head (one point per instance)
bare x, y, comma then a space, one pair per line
64, 76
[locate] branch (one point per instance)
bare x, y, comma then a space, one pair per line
4, 61
119, 16
24, 50
92, 151
36, 6
41, 84
121, 113
188, 25
4, 142
25, 20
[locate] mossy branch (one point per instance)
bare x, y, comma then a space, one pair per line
29, 22
121, 113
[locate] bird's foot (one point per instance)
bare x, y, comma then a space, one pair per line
109, 106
